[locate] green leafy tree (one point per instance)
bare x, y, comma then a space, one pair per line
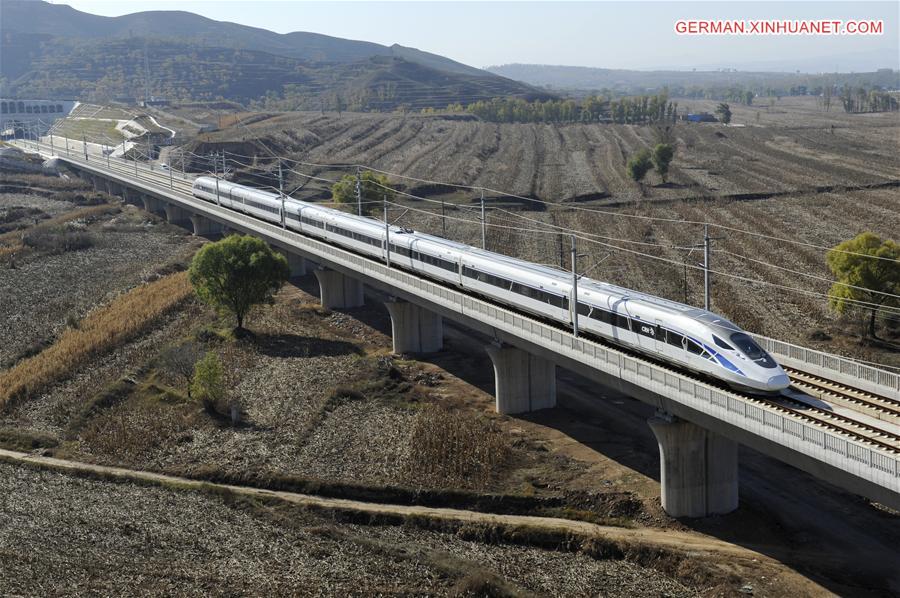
724, 112
861, 276
374, 188
639, 165
662, 157
208, 382
237, 273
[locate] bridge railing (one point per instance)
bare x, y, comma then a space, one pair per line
848, 453
837, 368
830, 446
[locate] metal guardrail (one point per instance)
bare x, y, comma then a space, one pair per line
849, 454
851, 372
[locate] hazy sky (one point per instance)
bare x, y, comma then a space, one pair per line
600, 34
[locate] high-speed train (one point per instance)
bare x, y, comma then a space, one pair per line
682, 335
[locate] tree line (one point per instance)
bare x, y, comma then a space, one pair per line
861, 99
644, 109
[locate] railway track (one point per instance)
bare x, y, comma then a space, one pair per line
873, 405
844, 424
806, 384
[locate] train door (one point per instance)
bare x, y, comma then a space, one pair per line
645, 331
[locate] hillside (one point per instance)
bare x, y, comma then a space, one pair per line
778, 170
681, 82
55, 51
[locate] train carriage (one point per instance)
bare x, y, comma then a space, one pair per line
679, 334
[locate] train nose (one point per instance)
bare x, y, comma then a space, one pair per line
779, 382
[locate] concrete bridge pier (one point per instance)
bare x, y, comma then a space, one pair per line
129, 196
205, 226
415, 329
698, 468
523, 382
339, 291
153, 205
177, 215
296, 262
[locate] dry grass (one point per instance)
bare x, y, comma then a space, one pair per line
12, 243
456, 449
127, 434
102, 330
88, 214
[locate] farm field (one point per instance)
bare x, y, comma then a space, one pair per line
783, 173
325, 407
132, 539
792, 148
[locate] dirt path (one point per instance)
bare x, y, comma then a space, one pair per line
664, 539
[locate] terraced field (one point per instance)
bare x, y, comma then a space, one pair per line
790, 147
783, 172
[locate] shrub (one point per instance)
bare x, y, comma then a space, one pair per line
57, 240
374, 189
208, 382
662, 157
639, 165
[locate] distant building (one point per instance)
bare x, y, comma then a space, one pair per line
155, 102
18, 115
35, 108
699, 117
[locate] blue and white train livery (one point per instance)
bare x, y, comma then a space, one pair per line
682, 335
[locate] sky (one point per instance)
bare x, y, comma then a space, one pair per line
623, 34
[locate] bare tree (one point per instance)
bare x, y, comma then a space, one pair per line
180, 361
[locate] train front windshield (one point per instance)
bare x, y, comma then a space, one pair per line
748, 347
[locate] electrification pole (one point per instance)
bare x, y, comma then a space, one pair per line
574, 305
67, 144
358, 194
52, 149
387, 232
216, 173
84, 145
443, 221
483, 224
281, 194
706, 267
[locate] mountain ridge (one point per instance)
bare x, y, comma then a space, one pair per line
56, 50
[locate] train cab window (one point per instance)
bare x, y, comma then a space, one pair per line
748, 347
693, 347
722, 343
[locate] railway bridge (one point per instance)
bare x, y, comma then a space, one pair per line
853, 442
